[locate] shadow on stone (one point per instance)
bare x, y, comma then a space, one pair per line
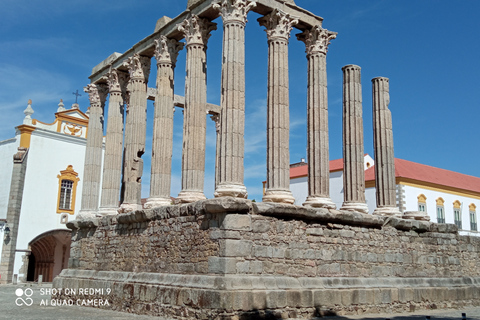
273, 315
260, 315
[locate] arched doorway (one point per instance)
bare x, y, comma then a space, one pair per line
49, 255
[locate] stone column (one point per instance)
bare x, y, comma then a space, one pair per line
232, 125
216, 118
14, 208
197, 31
135, 131
383, 148
93, 152
112, 162
317, 41
166, 52
353, 157
278, 26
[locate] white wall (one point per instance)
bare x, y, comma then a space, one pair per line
299, 188
411, 194
7, 149
49, 153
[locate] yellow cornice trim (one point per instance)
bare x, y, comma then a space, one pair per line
25, 135
67, 118
436, 187
67, 174
70, 110
472, 207
35, 121
457, 204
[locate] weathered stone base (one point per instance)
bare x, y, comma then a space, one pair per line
224, 297
319, 202
129, 207
416, 215
86, 214
229, 258
106, 211
388, 211
231, 190
355, 207
157, 202
278, 196
189, 196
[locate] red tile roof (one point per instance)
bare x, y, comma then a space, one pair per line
302, 170
423, 173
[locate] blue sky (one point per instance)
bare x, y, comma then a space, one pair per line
428, 49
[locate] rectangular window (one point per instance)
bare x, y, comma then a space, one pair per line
440, 215
421, 207
473, 221
65, 200
458, 218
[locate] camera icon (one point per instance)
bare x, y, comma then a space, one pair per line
20, 301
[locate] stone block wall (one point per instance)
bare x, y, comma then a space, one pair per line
226, 257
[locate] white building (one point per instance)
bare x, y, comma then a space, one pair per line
446, 196
40, 191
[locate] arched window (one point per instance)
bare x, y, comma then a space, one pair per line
422, 203
473, 217
67, 187
440, 210
457, 214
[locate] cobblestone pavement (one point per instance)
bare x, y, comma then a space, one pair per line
29, 304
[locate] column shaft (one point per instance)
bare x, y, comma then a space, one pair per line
112, 163
14, 208
196, 32
278, 26
383, 148
353, 157
317, 41
135, 132
166, 51
93, 151
232, 124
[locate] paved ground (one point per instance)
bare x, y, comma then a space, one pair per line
24, 302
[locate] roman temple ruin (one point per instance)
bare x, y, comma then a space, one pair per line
229, 257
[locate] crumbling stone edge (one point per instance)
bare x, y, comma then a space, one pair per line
230, 205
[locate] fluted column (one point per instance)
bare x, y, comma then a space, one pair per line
93, 151
216, 118
353, 157
316, 42
383, 148
112, 162
197, 31
135, 131
278, 27
232, 126
166, 52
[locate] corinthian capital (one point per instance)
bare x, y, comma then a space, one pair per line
216, 117
316, 39
278, 25
197, 30
138, 67
234, 10
166, 50
116, 81
97, 94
